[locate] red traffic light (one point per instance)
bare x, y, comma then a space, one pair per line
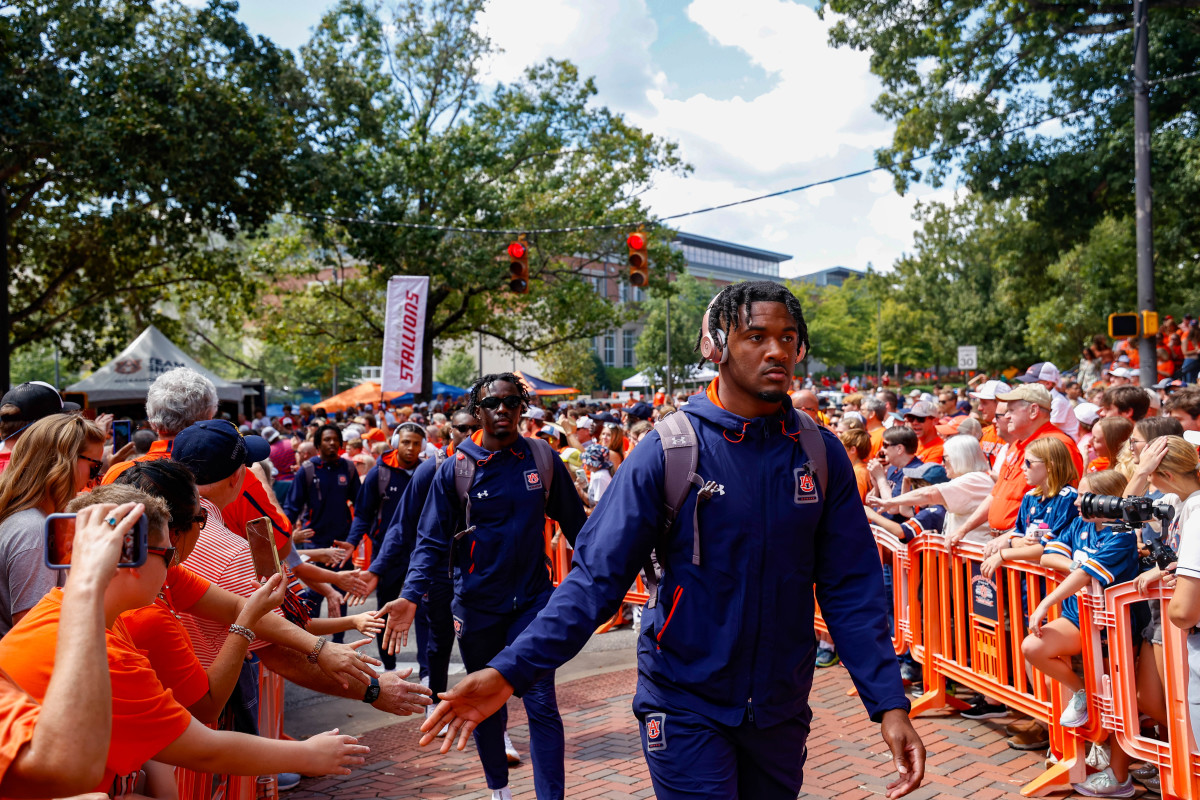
636, 241
517, 250
639, 260
518, 267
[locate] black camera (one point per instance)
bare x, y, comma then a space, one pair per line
1161, 555
1130, 511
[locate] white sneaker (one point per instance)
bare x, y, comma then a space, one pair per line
513, 756
1104, 784
501, 794
1075, 715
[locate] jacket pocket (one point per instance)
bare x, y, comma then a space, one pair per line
675, 598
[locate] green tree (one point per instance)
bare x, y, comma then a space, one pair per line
688, 299
571, 363
137, 139
406, 134
458, 369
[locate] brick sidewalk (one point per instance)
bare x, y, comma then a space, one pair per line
846, 757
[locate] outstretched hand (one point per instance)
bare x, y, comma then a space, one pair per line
474, 699
908, 753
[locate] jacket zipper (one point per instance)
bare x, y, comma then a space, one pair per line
674, 606
758, 598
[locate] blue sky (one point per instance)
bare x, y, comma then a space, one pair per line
752, 92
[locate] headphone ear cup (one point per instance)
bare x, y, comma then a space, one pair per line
723, 351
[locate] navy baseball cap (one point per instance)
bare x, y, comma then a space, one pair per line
930, 472
639, 410
213, 450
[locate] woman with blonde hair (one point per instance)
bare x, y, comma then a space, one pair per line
1109, 435
55, 459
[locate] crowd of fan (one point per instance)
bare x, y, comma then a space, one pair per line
186, 632
1005, 465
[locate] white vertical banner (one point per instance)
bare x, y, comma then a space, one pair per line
404, 333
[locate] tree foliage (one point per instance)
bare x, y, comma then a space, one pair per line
688, 299
458, 369
137, 140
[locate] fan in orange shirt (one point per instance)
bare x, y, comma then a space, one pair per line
923, 419
147, 722
858, 446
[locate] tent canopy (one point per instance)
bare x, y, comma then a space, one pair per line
439, 388
694, 375
537, 386
127, 378
365, 392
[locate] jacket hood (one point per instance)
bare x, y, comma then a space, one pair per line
703, 406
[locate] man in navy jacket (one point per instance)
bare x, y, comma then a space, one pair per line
726, 657
501, 571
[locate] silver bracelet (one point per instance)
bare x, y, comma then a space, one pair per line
243, 631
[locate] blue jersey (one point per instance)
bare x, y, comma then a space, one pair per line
373, 512
326, 503
1056, 512
1107, 555
731, 636
392, 560
929, 518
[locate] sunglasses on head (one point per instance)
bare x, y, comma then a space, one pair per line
167, 553
466, 428
94, 469
512, 402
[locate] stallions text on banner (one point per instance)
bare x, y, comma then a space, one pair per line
404, 333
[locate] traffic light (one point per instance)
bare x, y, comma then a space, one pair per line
639, 262
1123, 326
518, 267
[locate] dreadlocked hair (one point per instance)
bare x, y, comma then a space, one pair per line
488, 380
724, 311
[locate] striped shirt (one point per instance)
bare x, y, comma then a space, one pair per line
222, 557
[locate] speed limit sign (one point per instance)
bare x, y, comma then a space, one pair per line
968, 357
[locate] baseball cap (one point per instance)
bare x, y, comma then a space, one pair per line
639, 410
989, 389
1041, 371
270, 434
930, 472
1192, 437
605, 418
213, 450
35, 400
533, 412
1031, 393
551, 430
1087, 413
915, 393
923, 409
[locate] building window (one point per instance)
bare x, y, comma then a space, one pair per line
610, 350
624, 291
639, 295
627, 340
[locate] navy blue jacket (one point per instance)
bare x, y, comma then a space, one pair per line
369, 518
731, 638
328, 513
392, 560
501, 566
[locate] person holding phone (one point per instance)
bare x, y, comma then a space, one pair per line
57, 748
55, 459
146, 721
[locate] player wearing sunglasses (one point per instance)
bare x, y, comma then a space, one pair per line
495, 547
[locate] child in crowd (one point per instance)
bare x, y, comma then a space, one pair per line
1087, 549
595, 458
858, 446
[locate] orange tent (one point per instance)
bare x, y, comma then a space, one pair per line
365, 392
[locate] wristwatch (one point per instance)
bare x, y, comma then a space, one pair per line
372, 693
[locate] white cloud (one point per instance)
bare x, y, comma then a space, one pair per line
814, 123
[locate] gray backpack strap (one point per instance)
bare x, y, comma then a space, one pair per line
543, 457
310, 482
385, 478
814, 447
439, 456
464, 476
681, 452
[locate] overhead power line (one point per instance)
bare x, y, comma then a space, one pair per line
627, 224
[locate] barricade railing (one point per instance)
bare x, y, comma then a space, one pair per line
207, 786
558, 552
1177, 758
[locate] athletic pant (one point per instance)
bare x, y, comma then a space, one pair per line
691, 756
434, 626
546, 737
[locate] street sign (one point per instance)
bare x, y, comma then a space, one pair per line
968, 357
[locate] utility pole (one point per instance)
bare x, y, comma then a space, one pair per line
5, 329
669, 393
878, 342
1141, 173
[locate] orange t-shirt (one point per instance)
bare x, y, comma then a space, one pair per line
991, 443
160, 449
1099, 464
876, 441
863, 478
159, 633
374, 435
931, 453
18, 714
146, 717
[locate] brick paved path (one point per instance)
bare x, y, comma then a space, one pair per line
846, 757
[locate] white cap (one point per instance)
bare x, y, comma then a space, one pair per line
915, 393
1155, 400
989, 389
534, 413
1192, 437
1041, 371
1087, 413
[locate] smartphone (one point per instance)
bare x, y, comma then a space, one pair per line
60, 538
580, 475
122, 430
263, 551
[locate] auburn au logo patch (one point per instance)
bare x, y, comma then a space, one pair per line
806, 487
533, 480
656, 734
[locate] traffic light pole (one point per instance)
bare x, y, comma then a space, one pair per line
1147, 354
669, 393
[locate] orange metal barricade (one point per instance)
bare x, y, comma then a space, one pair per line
206, 786
1177, 759
558, 553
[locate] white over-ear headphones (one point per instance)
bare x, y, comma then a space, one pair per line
712, 340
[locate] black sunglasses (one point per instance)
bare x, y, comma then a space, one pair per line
466, 428
511, 402
167, 553
94, 469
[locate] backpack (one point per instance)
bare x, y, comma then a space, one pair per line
464, 476
681, 451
